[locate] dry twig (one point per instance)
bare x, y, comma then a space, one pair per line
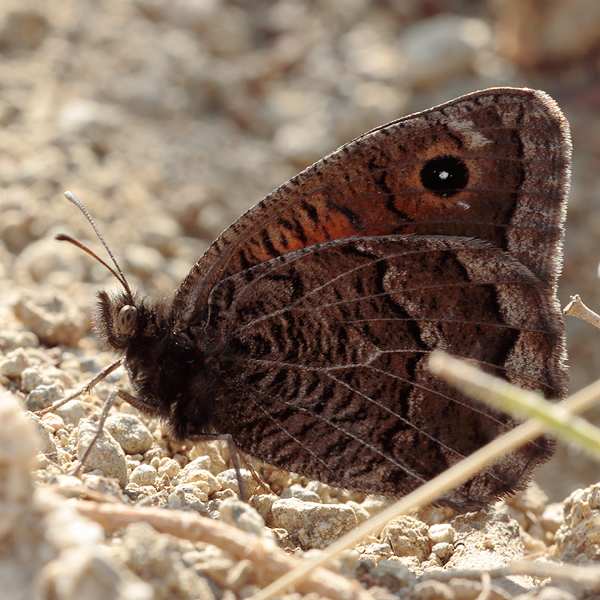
576, 308
428, 492
269, 561
588, 576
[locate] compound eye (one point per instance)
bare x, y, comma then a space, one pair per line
126, 320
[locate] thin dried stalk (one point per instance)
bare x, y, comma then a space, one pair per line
576, 308
588, 576
269, 561
428, 492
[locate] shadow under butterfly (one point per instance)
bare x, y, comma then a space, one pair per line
302, 334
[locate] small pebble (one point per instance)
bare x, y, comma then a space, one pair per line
241, 515
27, 339
52, 316
47, 445
218, 569
301, 493
228, 480
90, 364
175, 501
441, 47
443, 550
190, 496
53, 420
211, 451
43, 396
376, 551
154, 452
161, 233
578, 536
552, 517
441, 532
433, 590
263, 504
391, 574
531, 544
465, 589
14, 363
130, 432
552, 592
322, 490
43, 462
200, 490
408, 537
361, 513
37, 376
73, 411
313, 525
103, 485
143, 261
106, 454
195, 471
143, 475
373, 506
168, 467
278, 480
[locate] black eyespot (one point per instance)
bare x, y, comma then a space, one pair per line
126, 320
445, 175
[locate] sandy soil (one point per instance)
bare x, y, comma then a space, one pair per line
169, 119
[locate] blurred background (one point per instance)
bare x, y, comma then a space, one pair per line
169, 118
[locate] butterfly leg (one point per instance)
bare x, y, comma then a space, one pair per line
135, 402
132, 400
144, 406
233, 452
139, 403
107, 407
86, 388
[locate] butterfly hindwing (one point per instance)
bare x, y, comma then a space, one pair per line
325, 371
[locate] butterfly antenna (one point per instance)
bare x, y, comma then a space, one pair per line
63, 237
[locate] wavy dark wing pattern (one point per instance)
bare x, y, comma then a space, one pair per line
326, 368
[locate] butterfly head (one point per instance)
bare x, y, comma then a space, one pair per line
116, 319
168, 367
137, 330
120, 320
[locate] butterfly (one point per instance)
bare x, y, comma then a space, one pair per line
303, 332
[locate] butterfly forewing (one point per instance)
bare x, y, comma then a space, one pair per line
514, 144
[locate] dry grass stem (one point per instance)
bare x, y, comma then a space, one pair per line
522, 404
433, 489
588, 576
269, 561
576, 308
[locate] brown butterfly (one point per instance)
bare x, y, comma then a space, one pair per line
303, 332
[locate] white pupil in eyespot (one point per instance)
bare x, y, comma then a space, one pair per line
444, 175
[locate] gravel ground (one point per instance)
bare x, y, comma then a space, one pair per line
169, 119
